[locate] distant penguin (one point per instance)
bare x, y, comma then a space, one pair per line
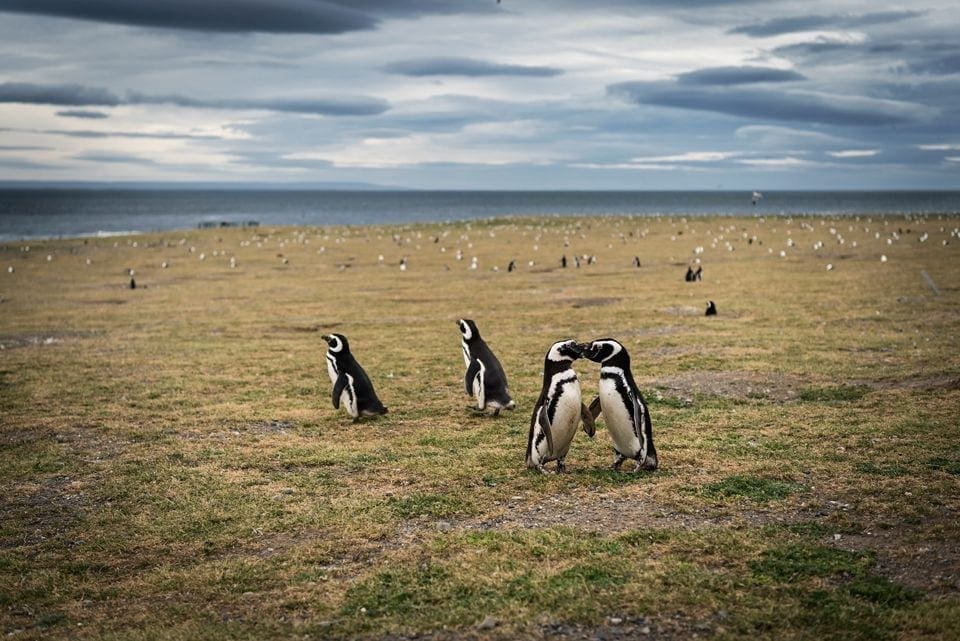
351, 385
698, 275
558, 410
624, 410
512, 266
563, 261
485, 379
636, 261
711, 309
576, 261
133, 284
689, 276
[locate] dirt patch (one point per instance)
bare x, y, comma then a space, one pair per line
927, 566
779, 388
13, 341
43, 510
578, 303
944, 382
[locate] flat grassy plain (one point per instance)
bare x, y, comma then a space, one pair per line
171, 466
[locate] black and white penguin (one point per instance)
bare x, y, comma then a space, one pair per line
689, 275
624, 410
711, 309
485, 379
351, 385
558, 410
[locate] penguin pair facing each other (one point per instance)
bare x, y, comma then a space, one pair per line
560, 408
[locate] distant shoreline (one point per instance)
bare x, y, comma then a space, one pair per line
70, 213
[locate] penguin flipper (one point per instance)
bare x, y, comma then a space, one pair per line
472, 370
589, 425
338, 387
637, 415
544, 421
595, 408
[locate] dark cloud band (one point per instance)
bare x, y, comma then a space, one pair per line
738, 76
767, 104
80, 96
270, 16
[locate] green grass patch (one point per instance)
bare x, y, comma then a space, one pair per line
753, 488
435, 505
837, 394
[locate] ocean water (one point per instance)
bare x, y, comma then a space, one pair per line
41, 213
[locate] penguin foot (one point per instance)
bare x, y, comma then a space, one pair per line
542, 469
618, 462
496, 411
561, 467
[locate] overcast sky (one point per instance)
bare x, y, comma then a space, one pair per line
452, 94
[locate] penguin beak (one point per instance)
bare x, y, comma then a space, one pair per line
576, 350
586, 350
326, 337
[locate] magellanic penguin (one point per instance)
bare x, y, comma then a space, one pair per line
558, 410
351, 385
485, 379
624, 410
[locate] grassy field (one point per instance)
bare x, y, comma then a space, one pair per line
171, 466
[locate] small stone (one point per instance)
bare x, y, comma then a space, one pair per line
837, 537
645, 629
488, 623
615, 620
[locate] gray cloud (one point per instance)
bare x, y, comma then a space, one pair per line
766, 104
80, 96
17, 163
334, 106
938, 66
738, 76
87, 133
77, 95
272, 16
81, 113
445, 66
779, 26
113, 158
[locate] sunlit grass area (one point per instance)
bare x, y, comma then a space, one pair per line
172, 466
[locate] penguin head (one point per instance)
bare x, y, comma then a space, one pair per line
337, 343
561, 351
468, 329
602, 350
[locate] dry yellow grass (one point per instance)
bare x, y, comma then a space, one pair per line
172, 466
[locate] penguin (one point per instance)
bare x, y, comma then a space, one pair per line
512, 266
485, 379
698, 275
711, 309
133, 283
622, 405
563, 261
351, 385
689, 276
558, 410
636, 261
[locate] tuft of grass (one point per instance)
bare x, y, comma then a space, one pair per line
795, 561
837, 394
435, 505
754, 488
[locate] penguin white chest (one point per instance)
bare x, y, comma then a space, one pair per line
331, 369
567, 415
618, 417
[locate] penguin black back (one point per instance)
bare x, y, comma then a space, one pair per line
351, 384
484, 378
